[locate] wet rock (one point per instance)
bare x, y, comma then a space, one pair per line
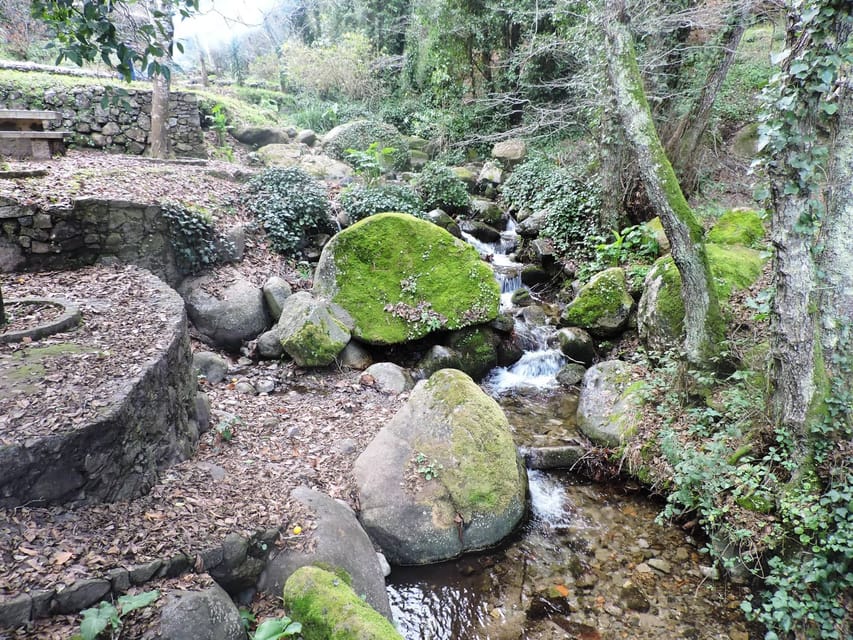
441, 219
390, 377
212, 366
609, 405
487, 212
560, 457
521, 298
532, 275
340, 543
481, 231
438, 357
276, 291
477, 349
530, 226
571, 374
201, 615
575, 343
476, 494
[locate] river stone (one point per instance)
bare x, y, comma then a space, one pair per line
201, 615
609, 404
511, 151
531, 225
259, 136
390, 377
354, 356
571, 374
491, 173
477, 496
424, 281
269, 346
575, 343
211, 365
235, 315
443, 220
307, 137
480, 230
477, 348
340, 543
438, 357
276, 291
312, 331
486, 211
328, 607
603, 305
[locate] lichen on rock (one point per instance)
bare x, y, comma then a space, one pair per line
401, 278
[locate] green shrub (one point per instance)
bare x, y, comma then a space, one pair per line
573, 205
290, 205
441, 189
361, 134
359, 202
193, 236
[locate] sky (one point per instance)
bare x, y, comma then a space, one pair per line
219, 20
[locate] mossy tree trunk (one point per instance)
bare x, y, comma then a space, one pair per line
683, 143
703, 324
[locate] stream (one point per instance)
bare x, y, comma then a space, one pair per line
590, 562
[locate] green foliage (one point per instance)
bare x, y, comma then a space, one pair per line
362, 134
359, 202
194, 238
372, 162
109, 616
439, 188
429, 469
277, 628
219, 123
636, 246
87, 32
290, 205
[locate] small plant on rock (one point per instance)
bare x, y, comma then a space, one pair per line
429, 469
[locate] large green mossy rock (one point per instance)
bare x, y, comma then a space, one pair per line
602, 306
660, 313
329, 609
401, 278
738, 226
443, 477
312, 331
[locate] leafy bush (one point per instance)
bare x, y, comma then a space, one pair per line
635, 245
359, 202
440, 188
290, 205
573, 205
361, 135
195, 240
331, 71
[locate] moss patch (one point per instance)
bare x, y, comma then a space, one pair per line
401, 278
480, 467
604, 300
329, 609
738, 226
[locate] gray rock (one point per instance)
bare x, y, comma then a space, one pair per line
354, 356
313, 332
660, 564
201, 615
269, 346
80, 595
245, 387
202, 412
438, 357
211, 365
532, 275
265, 385
474, 493
236, 316
511, 151
340, 542
443, 220
259, 136
15, 611
633, 598
477, 348
390, 377
660, 327
609, 405
521, 297
532, 224
307, 137
233, 248
480, 230
571, 374
142, 573
575, 343
276, 291
242, 561
41, 603
486, 211
490, 173
560, 457
119, 579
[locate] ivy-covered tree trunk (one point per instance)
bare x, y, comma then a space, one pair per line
683, 144
703, 325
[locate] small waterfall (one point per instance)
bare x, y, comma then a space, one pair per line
537, 371
485, 249
547, 499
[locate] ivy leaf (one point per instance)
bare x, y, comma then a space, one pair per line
829, 108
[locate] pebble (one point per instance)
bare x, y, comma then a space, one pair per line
265, 385
710, 573
292, 432
643, 568
346, 446
682, 554
244, 361
737, 634
643, 543
660, 564
245, 387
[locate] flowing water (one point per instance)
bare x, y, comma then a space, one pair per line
590, 563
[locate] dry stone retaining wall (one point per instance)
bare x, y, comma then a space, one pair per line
118, 120
62, 237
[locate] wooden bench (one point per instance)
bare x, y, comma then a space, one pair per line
22, 135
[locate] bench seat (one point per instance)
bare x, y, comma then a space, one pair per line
34, 135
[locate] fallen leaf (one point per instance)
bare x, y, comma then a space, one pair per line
562, 590
62, 557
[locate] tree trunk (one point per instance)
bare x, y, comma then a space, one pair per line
2, 309
613, 163
159, 137
683, 144
703, 324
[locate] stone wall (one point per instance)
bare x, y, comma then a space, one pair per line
112, 118
149, 425
90, 230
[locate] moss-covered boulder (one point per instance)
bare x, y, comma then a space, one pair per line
300, 155
660, 312
477, 348
401, 278
361, 134
443, 476
329, 609
738, 226
610, 403
602, 306
312, 331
